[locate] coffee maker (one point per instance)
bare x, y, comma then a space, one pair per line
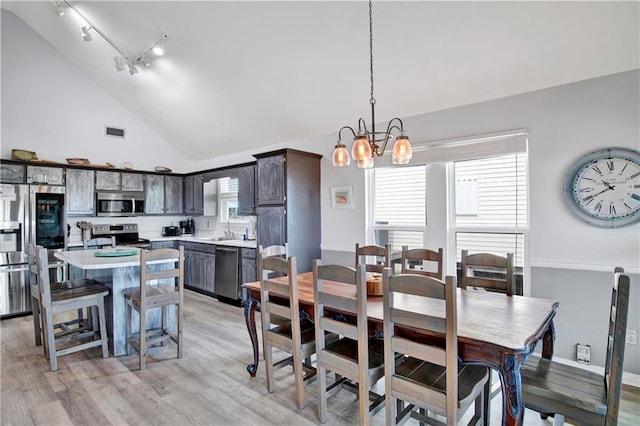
186, 226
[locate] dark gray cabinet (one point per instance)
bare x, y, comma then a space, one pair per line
107, 180
173, 195
154, 194
132, 182
247, 190
80, 192
288, 209
193, 195
164, 244
200, 261
248, 266
12, 173
271, 180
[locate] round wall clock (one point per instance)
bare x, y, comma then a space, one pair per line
603, 187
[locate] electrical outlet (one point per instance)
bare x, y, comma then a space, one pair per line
153, 282
632, 337
583, 354
208, 225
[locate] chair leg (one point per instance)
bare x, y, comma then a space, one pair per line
164, 310
322, 403
51, 339
128, 324
143, 337
485, 409
103, 328
298, 373
268, 365
363, 401
179, 315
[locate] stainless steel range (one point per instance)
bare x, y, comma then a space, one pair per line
126, 234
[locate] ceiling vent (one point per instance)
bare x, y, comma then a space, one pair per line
114, 132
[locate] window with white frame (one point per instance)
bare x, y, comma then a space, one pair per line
475, 189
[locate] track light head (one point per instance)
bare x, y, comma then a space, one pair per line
133, 70
59, 8
145, 59
86, 36
120, 63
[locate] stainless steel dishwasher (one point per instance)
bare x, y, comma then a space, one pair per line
227, 283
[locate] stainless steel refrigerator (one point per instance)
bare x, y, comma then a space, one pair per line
29, 214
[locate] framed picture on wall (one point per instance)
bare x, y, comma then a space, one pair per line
342, 197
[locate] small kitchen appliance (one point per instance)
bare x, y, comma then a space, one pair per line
186, 227
170, 231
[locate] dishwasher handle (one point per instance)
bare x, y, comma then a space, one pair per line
226, 249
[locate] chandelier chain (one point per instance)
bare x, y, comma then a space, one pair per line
372, 99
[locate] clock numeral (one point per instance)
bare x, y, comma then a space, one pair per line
635, 197
587, 189
588, 199
596, 169
597, 207
624, 168
635, 175
636, 186
627, 206
610, 165
587, 178
612, 209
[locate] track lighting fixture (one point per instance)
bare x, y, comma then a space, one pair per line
121, 60
85, 33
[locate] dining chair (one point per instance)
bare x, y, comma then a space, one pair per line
356, 359
67, 299
69, 325
498, 274
282, 326
427, 377
99, 242
420, 256
161, 286
578, 395
381, 255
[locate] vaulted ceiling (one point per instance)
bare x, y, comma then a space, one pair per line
242, 75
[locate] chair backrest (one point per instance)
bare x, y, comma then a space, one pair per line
422, 255
400, 310
42, 272
273, 295
381, 254
99, 242
282, 251
616, 343
32, 260
158, 270
327, 301
494, 264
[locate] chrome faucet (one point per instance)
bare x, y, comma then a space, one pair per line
227, 233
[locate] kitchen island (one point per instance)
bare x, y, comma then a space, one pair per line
118, 274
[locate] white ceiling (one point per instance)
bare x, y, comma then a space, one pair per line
242, 75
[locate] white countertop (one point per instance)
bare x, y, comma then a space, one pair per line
209, 240
86, 259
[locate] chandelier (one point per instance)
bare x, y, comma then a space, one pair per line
368, 144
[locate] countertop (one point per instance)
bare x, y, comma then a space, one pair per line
192, 239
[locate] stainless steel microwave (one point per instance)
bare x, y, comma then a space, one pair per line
119, 204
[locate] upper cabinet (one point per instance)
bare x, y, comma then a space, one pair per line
12, 173
133, 182
193, 194
80, 192
107, 180
48, 175
247, 190
154, 194
173, 195
271, 180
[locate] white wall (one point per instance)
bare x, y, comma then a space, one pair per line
49, 106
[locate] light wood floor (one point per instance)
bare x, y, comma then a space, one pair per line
209, 385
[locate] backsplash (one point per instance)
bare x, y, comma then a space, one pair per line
150, 227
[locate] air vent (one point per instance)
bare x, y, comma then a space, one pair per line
114, 132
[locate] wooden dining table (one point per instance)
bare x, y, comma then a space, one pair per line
493, 329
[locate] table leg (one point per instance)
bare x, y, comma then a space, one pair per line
250, 319
547, 341
512, 402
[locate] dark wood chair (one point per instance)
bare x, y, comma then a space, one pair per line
421, 255
498, 274
382, 256
161, 286
282, 326
579, 395
99, 242
427, 378
69, 299
357, 360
